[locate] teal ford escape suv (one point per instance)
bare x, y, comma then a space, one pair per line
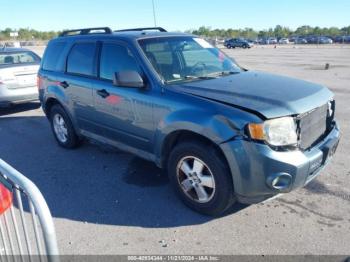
223, 133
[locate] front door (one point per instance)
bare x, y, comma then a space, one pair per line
123, 114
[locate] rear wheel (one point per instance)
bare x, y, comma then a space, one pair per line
62, 128
201, 178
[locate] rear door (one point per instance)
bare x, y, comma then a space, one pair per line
65, 74
81, 69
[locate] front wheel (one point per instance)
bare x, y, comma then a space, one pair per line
201, 178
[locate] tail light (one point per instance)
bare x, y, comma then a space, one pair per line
5, 199
39, 82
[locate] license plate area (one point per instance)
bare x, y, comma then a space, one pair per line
26, 80
332, 150
315, 164
327, 153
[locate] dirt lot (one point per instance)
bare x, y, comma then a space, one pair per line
109, 202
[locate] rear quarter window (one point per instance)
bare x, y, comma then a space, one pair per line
52, 55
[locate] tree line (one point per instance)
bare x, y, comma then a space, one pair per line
26, 34
279, 31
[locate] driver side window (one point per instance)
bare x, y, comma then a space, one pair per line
116, 58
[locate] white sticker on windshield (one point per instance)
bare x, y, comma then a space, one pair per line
203, 43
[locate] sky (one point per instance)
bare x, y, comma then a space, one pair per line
172, 14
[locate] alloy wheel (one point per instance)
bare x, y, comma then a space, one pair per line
60, 128
196, 179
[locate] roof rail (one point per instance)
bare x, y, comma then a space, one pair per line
160, 29
86, 31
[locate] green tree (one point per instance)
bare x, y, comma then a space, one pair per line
304, 30
333, 31
202, 31
278, 31
345, 30
24, 34
263, 34
7, 32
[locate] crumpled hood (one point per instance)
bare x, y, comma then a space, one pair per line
270, 95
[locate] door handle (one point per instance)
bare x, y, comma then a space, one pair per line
64, 84
103, 93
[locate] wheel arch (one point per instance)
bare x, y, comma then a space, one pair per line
178, 136
50, 102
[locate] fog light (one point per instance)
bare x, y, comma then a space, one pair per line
281, 182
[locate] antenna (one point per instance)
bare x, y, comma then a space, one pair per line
154, 14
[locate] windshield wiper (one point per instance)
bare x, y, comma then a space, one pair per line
189, 77
223, 73
212, 75
230, 72
206, 77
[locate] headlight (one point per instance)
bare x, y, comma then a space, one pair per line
276, 132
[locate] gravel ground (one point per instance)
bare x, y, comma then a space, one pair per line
108, 202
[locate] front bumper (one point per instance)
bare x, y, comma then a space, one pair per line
254, 166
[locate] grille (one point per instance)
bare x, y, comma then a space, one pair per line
314, 125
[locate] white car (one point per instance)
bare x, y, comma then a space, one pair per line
283, 41
13, 44
18, 76
272, 41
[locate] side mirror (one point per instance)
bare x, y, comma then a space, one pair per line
128, 79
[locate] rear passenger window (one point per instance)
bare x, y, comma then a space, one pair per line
116, 58
81, 59
52, 55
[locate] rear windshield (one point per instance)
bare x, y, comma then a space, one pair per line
15, 58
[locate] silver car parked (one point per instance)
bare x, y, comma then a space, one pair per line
18, 71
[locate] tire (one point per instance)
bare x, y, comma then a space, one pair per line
229, 47
245, 46
62, 128
215, 178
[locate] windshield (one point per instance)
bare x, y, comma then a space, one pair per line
183, 59
15, 58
